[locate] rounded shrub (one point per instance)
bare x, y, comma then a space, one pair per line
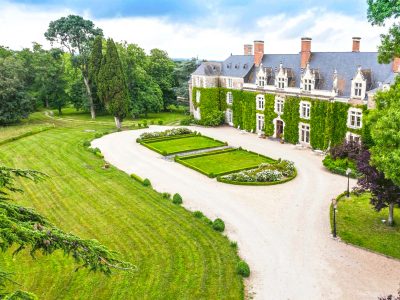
164, 153
99, 154
233, 244
177, 199
211, 175
98, 135
160, 122
140, 125
218, 225
145, 123
86, 144
166, 195
243, 269
146, 182
152, 122
198, 214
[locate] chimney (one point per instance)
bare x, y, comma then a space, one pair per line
396, 65
248, 49
305, 51
258, 52
356, 44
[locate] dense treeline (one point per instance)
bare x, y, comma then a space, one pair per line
66, 74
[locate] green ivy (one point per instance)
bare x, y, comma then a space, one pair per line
318, 118
248, 111
291, 117
338, 122
269, 114
211, 106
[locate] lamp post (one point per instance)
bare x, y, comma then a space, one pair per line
348, 171
334, 205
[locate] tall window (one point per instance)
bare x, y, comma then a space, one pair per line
229, 83
351, 137
198, 81
281, 82
229, 98
354, 118
305, 109
198, 96
304, 133
229, 117
260, 102
261, 81
260, 122
358, 89
279, 102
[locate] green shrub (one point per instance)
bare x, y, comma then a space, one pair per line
140, 125
166, 196
160, 122
186, 121
152, 122
243, 269
211, 175
233, 244
177, 199
218, 225
146, 182
137, 178
215, 118
164, 153
145, 123
340, 165
198, 214
138, 140
99, 154
98, 135
86, 144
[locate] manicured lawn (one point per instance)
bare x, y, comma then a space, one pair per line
18, 130
183, 144
223, 162
167, 117
359, 224
177, 255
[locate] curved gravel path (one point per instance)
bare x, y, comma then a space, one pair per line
283, 231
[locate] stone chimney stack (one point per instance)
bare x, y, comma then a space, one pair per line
356, 44
248, 49
396, 65
305, 51
258, 52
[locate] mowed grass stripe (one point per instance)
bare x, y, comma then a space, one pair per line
177, 256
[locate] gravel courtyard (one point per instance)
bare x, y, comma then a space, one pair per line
283, 231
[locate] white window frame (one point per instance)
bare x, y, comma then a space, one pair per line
198, 81
229, 98
281, 83
358, 85
260, 120
198, 96
305, 110
354, 118
304, 138
353, 137
260, 102
229, 82
261, 81
279, 105
229, 116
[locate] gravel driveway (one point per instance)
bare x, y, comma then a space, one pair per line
283, 231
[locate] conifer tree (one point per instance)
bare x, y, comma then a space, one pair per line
111, 84
94, 68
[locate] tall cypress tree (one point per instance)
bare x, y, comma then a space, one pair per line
111, 84
94, 66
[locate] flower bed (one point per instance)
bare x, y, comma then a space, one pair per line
265, 174
169, 132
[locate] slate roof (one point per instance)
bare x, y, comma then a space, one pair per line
346, 64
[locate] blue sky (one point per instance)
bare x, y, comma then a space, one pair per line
208, 29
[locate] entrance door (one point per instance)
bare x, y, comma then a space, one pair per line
279, 128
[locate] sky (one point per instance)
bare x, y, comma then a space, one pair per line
201, 28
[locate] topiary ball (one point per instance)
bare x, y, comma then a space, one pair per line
243, 269
218, 225
177, 199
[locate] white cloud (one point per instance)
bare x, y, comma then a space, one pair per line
22, 24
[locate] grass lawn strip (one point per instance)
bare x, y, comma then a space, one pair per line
224, 162
359, 224
176, 254
181, 144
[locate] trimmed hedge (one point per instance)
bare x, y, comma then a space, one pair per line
218, 225
339, 166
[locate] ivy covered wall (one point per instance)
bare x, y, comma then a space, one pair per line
328, 120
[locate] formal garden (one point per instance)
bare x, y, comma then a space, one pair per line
216, 159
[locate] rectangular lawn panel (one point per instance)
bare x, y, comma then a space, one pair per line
224, 161
169, 146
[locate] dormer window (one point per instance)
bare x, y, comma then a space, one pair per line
308, 79
354, 119
260, 102
305, 109
281, 81
358, 85
229, 98
261, 77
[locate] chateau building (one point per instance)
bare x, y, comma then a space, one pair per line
320, 83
